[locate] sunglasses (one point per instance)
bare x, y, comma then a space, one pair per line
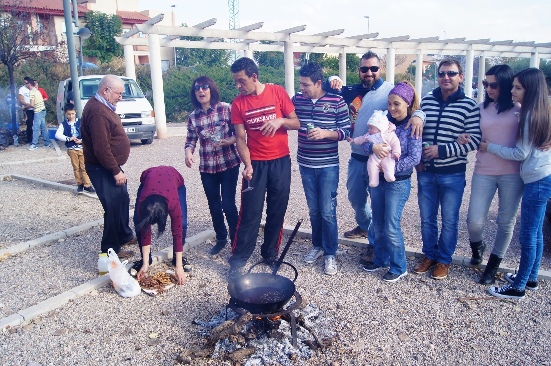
451, 74
493, 85
365, 69
201, 87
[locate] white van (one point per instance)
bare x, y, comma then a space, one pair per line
136, 113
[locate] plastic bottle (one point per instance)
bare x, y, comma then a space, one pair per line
103, 264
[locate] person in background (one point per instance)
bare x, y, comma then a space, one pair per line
106, 148
69, 132
42, 91
533, 149
389, 198
261, 115
39, 122
441, 175
498, 123
24, 99
210, 124
318, 159
162, 192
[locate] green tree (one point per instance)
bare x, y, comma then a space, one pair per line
102, 44
352, 62
197, 56
18, 38
269, 59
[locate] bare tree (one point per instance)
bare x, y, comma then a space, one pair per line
22, 36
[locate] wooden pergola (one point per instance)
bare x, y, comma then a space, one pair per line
248, 38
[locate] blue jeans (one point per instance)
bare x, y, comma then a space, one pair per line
388, 201
532, 213
357, 185
39, 124
220, 191
483, 189
320, 188
444, 191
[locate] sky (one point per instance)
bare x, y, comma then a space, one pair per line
528, 20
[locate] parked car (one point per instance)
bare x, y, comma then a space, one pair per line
136, 113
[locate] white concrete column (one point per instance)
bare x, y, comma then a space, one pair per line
468, 81
289, 68
535, 59
129, 62
157, 84
390, 65
342, 66
481, 75
249, 53
419, 74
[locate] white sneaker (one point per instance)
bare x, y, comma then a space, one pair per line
33, 147
330, 265
313, 255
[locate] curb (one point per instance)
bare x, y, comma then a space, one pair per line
21, 247
413, 252
44, 307
26, 315
60, 156
46, 183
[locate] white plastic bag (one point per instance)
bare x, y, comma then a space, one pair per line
124, 284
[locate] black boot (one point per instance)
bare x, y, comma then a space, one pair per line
478, 252
489, 275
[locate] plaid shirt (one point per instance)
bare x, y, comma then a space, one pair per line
208, 127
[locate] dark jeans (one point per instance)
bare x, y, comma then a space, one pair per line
220, 191
271, 181
116, 206
29, 122
183, 207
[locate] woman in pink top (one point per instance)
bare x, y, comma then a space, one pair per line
498, 122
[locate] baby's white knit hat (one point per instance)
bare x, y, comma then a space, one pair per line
378, 119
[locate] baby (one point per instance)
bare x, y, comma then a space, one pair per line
381, 131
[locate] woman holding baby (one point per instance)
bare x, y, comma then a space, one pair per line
389, 197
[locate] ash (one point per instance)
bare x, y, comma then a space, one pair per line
273, 349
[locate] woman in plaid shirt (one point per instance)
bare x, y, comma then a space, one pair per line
210, 123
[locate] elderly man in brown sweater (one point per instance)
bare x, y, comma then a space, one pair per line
106, 148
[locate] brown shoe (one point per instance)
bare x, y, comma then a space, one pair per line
132, 241
424, 265
441, 271
122, 254
355, 233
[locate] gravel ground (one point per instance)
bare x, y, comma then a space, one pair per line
414, 321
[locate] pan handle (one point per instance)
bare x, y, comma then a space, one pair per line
287, 263
294, 269
286, 249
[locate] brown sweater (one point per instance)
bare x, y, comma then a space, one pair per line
103, 137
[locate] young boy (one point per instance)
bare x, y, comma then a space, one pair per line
69, 131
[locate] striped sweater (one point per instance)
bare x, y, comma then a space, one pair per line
330, 112
445, 121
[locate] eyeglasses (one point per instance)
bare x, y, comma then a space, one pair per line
451, 74
493, 85
118, 93
365, 69
202, 87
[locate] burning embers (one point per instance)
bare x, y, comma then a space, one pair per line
274, 338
